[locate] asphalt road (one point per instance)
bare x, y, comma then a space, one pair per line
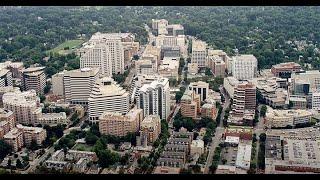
217, 135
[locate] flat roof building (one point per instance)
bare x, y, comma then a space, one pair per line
107, 96
24, 105
78, 84
117, 124
244, 67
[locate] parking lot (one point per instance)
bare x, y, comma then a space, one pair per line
229, 153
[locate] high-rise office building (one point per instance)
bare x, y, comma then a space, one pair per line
201, 88
244, 67
199, 53
97, 56
107, 96
78, 84
244, 98
57, 84
33, 78
105, 51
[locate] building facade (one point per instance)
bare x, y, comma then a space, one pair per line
78, 84
107, 95
150, 128
201, 88
24, 105
244, 67
117, 124
33, 78
244, 99
154, 98
199, 53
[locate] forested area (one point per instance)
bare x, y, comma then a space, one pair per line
272, 34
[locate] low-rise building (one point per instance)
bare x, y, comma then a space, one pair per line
15, 139
197, 147
192, 68
298, 102
285, 69
190, 104
176, 150
166, 170
52, 119
57, 165
145, 66
58, 155
284, 118
150, 128
81, 165
32, 134
227, 169
77, 155
292, 151
169, 68
243, 156
120, 125
272, 91
209, 110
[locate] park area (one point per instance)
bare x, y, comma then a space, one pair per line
82, 147
66, 48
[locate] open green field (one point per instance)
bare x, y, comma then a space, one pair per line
71, 44
82, 147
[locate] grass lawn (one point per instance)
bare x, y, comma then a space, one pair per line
72, 44
82, 147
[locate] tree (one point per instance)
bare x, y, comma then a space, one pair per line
263, 111
5, 149
42, 98
91, 139
19, 164
208, 72
185, 171
173, 82
262, 137
135, 57
33, 145
47, 88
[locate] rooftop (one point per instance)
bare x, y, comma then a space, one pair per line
198, 45
154, 84
107, 87
30, 129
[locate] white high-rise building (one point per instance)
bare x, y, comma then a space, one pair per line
78, 84
104, 50
107, 96
154, 98
24, 105
244, 67
199, 53
5, 78
97, 56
